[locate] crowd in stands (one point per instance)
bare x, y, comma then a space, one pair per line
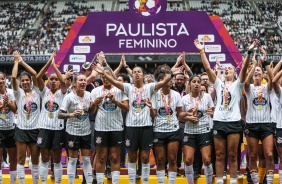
56, 18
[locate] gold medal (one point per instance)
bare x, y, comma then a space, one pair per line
28, 116
3, 116
138, 109
259, 107
51, 115
225, 106
82, 112
168, 117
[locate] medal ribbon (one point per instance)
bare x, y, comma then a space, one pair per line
3, 109
80, 102
197, 101
28, 101
138, 95
259, 93
51, 98
166, 105
225, 93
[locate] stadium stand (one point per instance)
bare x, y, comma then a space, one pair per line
38, 27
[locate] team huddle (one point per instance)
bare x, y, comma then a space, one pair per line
141, 116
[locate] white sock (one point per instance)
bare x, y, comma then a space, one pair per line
27, 159
254, 176
208, 170
87, 169
20, 173
219, 180
171, 177
0, 176
35, 173
58, 172
43, 172
100, 178
233, 180
145, 173
13, 177
189, 173
161, 176
71, 169
115, 177
280, 175
269, 178
132, 172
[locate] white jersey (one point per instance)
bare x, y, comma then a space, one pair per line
276, 107
50, 105
258, 100
203, 126
139, 113
28, 105
109, 117
161, 122
7, 118
231, 112
80, 125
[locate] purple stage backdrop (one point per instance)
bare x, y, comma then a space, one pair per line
145, 30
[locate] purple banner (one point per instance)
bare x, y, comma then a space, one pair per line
146, 28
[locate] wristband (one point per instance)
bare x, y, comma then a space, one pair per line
71, 115
202, 52
250, 52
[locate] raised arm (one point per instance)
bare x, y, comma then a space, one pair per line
218, 69
201, 48
187, 68
266, 65
246, 63
129, 71
98, 68
43, 71
250, 75
15, 84
277, 67
92, 76
275, 81
60, 77
168, 77
30, 70
116, 71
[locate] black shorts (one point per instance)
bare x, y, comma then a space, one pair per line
139, 137
163, 138
279, 137
197, 141
26, 136
50, 139
92, 124
7, 138
259, 130
108, 139
76, 142
224, 129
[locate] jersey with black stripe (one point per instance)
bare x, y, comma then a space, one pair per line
50, 106
109, 116
258, 99
28, 102
134, 117
79, 125
161, 122
7, 117
203, 125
